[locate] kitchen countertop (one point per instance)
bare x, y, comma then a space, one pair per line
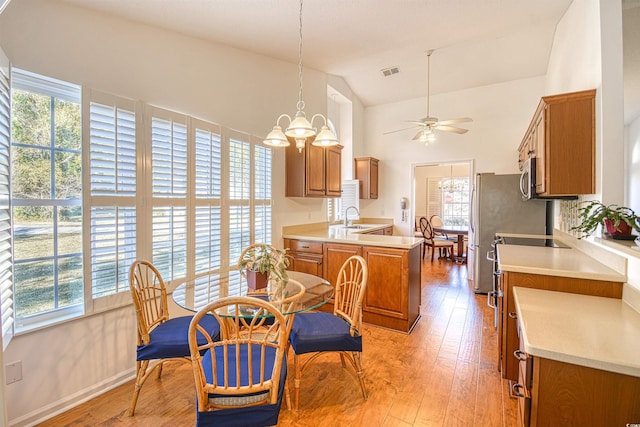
562, 262
339, 234
596, 332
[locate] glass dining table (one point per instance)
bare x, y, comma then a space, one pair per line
301, 292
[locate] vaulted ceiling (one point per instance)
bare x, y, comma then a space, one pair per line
477, 42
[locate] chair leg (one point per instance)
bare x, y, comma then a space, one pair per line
357, 357
141, 368
433, 252
296, 381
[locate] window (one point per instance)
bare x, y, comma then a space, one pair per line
46, 199
186, 194
455, 201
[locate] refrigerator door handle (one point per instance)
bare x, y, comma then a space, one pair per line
491, 296
491, 255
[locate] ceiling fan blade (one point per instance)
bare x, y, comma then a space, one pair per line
400, 130
417, 137
452, 121
451, 129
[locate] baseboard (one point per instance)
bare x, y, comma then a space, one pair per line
49, 411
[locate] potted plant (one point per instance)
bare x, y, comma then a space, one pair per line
618, 221
260, 263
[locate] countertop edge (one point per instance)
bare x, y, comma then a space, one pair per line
361, 239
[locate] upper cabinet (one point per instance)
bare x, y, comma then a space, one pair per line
561, 137
366, 171
315, 172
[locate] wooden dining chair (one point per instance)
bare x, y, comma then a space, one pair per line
317, 333
160, 339
240, 378
432, 241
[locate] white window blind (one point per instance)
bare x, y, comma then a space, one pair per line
350, 197
169, 193
6, 262
112, 176
434, 197
208, 193
262, 194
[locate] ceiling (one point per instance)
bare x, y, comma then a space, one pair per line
476, 42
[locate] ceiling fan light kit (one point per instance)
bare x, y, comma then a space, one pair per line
300, 128
428, 124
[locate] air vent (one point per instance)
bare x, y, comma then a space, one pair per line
390, 71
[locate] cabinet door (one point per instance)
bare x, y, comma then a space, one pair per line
539, 151
315, 170
373, 186
335, 255
333, 168
387, 283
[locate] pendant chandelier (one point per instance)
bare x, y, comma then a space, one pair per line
449, 185
299, 127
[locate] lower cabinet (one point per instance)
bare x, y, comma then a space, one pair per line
554, 393
507, 318
306, 256
392, 298
393, 290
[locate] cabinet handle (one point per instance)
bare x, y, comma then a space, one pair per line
304, 247
520, 355
513, 315
515, 389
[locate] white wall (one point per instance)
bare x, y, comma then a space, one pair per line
500, 113
587, 54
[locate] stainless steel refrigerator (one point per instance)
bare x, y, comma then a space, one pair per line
497, 206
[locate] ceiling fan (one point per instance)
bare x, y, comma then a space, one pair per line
428, 124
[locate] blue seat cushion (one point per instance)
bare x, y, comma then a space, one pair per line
251, 416
321, 331
171, 338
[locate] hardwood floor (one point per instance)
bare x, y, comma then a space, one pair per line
442, 374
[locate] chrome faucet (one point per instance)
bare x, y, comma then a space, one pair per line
347, 222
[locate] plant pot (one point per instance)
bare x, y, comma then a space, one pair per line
623, 228
257, 280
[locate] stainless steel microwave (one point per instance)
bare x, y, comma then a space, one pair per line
528, 179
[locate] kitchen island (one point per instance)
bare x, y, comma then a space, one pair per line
392, 298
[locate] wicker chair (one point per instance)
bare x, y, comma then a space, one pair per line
160, 339
240, 378
319, 333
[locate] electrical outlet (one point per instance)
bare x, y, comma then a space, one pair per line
13, 372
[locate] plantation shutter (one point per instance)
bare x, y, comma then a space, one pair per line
6, 263
239, 212
169, 193
208, 193
112, 187
434, 197
262, 194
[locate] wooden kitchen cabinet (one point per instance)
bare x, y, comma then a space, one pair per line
366, 171
507, 318
561, 137
315, 172
392, 299
306, 256
555, 393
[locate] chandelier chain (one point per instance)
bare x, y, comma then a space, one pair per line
300, 101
